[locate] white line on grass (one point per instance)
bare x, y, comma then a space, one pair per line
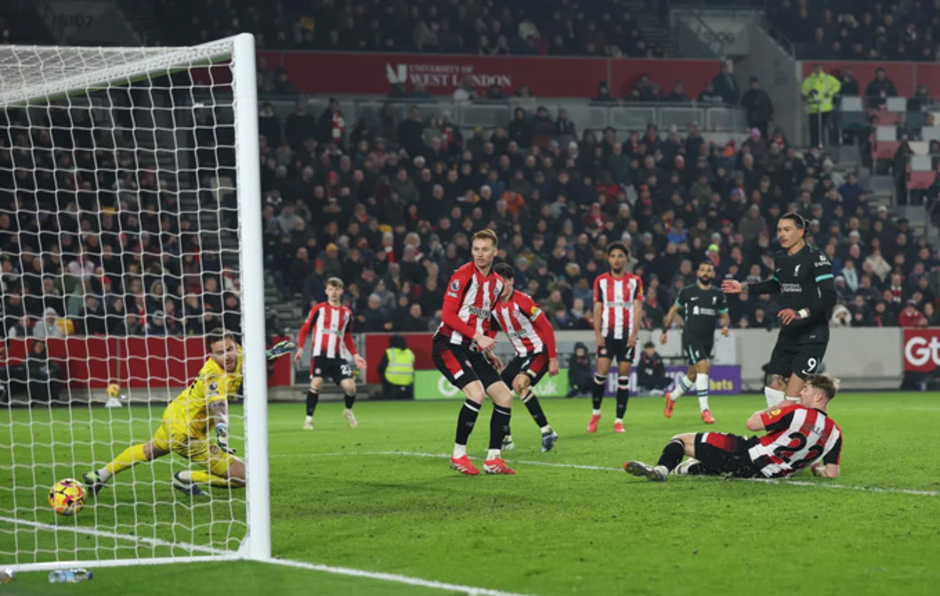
115, 536
392, 577
781, 481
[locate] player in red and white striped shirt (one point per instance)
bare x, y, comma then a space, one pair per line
798, 435
533, 339
332, 334
463, 352
618, 306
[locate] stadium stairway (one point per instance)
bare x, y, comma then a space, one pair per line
653, 30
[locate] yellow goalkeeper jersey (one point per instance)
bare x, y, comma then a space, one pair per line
189, 410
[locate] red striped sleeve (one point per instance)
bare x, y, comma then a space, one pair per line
305, 328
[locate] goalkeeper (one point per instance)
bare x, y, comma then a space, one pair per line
200, 410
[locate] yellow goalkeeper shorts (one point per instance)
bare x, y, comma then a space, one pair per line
200, 450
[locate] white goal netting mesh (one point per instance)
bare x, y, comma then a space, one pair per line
119, 250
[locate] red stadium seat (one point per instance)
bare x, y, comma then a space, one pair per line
920, 180
884, 150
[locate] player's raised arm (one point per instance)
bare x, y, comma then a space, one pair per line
768, 286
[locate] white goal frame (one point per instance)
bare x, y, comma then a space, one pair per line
16, 91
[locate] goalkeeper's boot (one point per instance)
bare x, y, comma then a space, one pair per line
592, 425
651, 473
188, 488
548, 440
508, 445
497, 466
308, 423
707, 417
464, 465
350, 418
281, 349
93, 482
669, 405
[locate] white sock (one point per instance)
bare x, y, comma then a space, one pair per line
186, 476
507, 439
794, 399
308, 419
493, 454
701, 385
620, 420
547, 429
774, 396
104, 475
596, 412
685, 383
459, 450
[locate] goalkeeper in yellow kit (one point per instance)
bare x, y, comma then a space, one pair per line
187, 422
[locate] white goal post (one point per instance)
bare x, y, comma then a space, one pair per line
99, 145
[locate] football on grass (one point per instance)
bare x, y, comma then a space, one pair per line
67, 497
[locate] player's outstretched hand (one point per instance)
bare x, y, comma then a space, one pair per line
281, 348
552, 367
221, 438
730, 286
360, 362
787, 316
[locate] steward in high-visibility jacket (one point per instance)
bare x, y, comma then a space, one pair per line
397, 368
820, 90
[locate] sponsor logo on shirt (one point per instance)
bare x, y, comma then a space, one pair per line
790, 288
480, 312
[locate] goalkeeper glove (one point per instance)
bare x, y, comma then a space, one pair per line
280, 349
221, 438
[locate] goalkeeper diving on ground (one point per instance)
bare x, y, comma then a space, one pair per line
199, 411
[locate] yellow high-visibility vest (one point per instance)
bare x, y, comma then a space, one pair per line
826, 87
401, 366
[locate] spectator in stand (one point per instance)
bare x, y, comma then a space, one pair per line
678, 94
880, 89
299, 126
819, 90
848, 84
726, 85
708, 95
48, 326
603, 95
759, 107
911, 316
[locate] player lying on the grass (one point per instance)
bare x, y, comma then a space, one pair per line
797, 435
618, 308
332, 330
463, 352
803, 278
200, 410
533, 339
702, 306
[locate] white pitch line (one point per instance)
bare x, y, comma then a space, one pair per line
780, 481
392, 577
115, 536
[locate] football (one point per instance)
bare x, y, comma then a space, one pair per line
113, 390
67, 497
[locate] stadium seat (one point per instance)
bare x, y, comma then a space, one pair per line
930, 133
852, 104
896, 104
920, 180
884, 150
915, 119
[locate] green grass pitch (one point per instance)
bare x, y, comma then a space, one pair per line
378, 498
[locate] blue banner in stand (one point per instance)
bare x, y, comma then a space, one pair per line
722, 380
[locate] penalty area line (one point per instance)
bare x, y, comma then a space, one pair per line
778, 481
392, 577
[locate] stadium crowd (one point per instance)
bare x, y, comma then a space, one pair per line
391, 210
485, 27
859, 29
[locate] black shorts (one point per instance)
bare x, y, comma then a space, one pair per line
802, 360
617, 348
461, 366
695, 350
725, 453
337, 369
533, 365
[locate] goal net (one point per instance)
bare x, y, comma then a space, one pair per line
129, 228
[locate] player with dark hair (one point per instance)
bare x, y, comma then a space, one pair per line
533, 339
618, 307
331, 323
797, 435
201, 409
463, 352
803, 278
702, 305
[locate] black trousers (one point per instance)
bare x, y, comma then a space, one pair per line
390, 391
818, 127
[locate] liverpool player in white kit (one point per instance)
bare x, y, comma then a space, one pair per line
332, 330
798, 435
533, 339
618, 306
463, 352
